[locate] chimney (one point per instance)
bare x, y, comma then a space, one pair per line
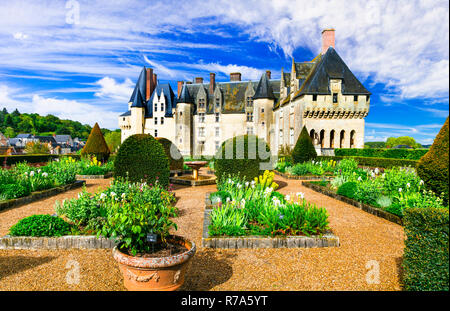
198, 80
155, 81
268, 74
179, 87
212, 82
149, 83
327, 39
235, 76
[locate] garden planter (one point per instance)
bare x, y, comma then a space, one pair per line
155, 274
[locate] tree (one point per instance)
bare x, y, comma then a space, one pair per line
402, 140
96, 145
9, 132
36, 148
113, 140
433, 166
304, 149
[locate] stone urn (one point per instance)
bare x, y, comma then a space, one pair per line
155, 274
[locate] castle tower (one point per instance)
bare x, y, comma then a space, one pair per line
184, 124
263, 101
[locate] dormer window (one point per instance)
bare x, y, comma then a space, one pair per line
249, 116
335, 98
162, 107
156, 107
201, 103
217, 102
156, 121
249, 102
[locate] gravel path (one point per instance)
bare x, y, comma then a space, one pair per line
367, 242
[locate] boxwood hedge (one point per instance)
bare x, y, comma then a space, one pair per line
375, 162
39, 226
410, 154
426, 259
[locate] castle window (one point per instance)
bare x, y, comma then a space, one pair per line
262, 110
201, 103
156, 120
201, 132
355, 98
281, 137
217, 117
217, 102
156, 133
181, 140
249, 116
201, 118
335, 98
217, 131
249, 102
162, 120
250, 130
263, 123
291, 136
217, 144
162, 107
156, 107
181, 113
314, 97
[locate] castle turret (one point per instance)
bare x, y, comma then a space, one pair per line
263, 101
185, 106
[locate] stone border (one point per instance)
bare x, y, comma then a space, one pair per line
326, 240
63, 242
296, 177
192, 183
37, 195
106, 176
365, 207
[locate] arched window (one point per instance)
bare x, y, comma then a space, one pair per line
352, 139
332, 138
322, 138
342, 139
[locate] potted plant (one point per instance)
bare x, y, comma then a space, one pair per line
148, 256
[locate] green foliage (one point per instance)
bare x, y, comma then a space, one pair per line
256, 209
172, 152
40, 225
92, 166
426, 253
142, 158
374, 144
304, 149
96, 145
13, 191
375, 162
312, 168
31, 158
16, 122
113, 140
410, 154
36, 148
347, 189
219, 196
402, 140
433, 166
247, 156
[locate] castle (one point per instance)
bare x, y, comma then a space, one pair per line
322, 94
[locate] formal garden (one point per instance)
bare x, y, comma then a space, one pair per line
161, 237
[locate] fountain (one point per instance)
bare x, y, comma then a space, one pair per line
195, 179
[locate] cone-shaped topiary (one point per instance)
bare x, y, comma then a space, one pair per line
96, 145
246, 155
304, 149
142, 158
433, 166
172, 152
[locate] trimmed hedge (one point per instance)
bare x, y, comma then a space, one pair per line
426, 259
347, 189
172, 152
375, 162
304, 149
433, 167
142, 158
410, 154
228, 161
40, 225
96, 145
33, 158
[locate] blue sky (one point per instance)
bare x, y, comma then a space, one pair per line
79, 60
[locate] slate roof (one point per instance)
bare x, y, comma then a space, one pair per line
62, 138
138, 95
169, 95
24, 136
331, 66
264, 89
185, 97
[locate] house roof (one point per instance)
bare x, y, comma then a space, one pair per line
264, 89
24, 136
170, 98
138, 95
62, 138
185, 97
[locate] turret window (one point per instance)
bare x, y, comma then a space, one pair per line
217, 102
156, 107
335, 98
217, 117
156, 120
249, 102
249, 116
162, 107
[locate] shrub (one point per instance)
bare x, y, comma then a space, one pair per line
375, 162
36, 147
96, 145
433, 166
40, 225
248, 163
304, 149
426, 253
12, 191
142, 158
172, 152
347, 189
410, 154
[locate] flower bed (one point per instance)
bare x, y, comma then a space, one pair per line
255, 209
22, 180
312, 169
91, 168
392, 191
93, 215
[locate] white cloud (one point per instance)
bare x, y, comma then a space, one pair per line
20, 36
109, 88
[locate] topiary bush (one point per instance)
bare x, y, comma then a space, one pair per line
433, 166
425, 258
347, 189
142, 158
304, 149
172, 152
96, 145
247, 156
40, 225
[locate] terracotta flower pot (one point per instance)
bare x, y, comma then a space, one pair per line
155, 274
